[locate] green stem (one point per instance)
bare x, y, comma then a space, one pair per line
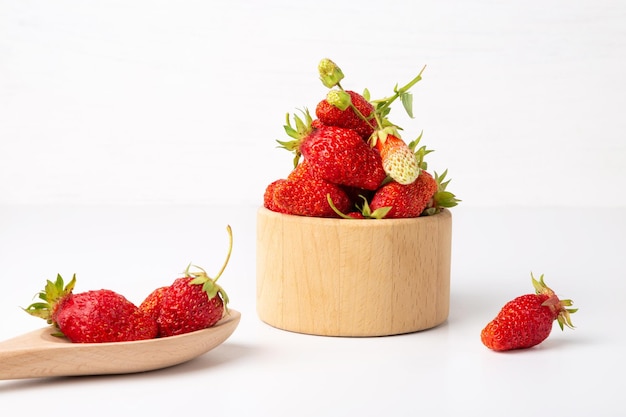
358, 112
230, 249
388, 100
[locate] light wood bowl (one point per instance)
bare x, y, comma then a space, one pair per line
342, 277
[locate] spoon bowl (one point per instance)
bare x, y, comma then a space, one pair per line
39, 354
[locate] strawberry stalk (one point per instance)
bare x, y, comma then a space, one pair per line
209, 285
382, 105
364, 209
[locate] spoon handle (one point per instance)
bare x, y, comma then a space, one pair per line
32, 355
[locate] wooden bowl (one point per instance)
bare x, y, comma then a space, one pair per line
342, 277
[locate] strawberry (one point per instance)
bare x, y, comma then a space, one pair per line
307, 197
303, 194
347, 109
92, 316
340, 156
268, 196
335, 154
399, 161
405, 200
184, 307
192, 302
526, 321
151, 303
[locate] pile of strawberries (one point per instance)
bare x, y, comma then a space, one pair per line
351, 162
192, 302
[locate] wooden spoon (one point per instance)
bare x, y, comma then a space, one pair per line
39, 354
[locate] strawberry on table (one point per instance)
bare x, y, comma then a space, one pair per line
526, 321
95, 316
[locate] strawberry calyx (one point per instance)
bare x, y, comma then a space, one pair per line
330, 73
557, 306
442, 198
364, 209
421, 152
52, 296
341, 100
210, 285
301, 128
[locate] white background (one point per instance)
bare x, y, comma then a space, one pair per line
182, 101
132, 132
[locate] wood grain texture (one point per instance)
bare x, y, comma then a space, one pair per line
39, 354
339, 277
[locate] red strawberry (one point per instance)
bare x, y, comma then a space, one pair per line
186, 307
399, 161
268, 197
337, 155
302, 171
152, 302
527, 320
308, 197
93, 316
190, 303
405, 200
303, 194
340, 156
347, 109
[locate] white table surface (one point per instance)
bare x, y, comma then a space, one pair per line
263, 371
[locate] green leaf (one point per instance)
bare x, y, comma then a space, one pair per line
211, 288
407, 102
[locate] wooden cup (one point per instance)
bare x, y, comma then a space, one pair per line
342, 277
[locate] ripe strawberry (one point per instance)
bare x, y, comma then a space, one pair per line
399, 161
152, 302
307, 197
185, 307
405, 200
347, 109
93, 316
302, 193
192, 302
268, 196
527, 320
334, 154
340, 156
